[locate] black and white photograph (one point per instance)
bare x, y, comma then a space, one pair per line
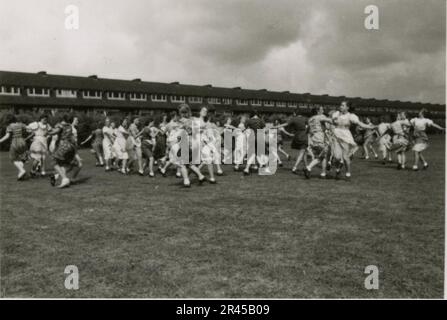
222, 150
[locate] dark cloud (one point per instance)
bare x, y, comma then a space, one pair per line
303, 46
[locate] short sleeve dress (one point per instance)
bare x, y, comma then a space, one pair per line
300, 139
66, 149
39, 146
18, 150
419, 135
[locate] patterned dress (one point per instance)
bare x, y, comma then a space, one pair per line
18, 150
384, 136
39, 147
317, 138
160, 143
120, 144
401, 140
66, 149
97, 141
240, 148
107, 143
419, 135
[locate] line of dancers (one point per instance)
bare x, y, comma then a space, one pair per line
326, 140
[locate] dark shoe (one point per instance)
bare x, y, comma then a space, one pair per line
337, 175
53, 180
163, 173
306, 173
22, 176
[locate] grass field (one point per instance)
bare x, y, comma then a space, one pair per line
275, 236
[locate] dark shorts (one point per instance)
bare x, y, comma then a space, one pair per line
359, 139
300, 141
146, 150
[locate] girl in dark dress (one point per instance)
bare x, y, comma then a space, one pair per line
148, 144
97, 150
160, 139
18, 151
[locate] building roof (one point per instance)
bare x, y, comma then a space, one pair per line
44, 80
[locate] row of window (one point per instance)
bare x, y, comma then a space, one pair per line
93, 94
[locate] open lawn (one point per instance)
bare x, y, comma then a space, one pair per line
275, 236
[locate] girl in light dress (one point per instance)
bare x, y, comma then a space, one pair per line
368, 140
39, 146
203, 146
281, 133
227, 138
401, 141
344, 145
383, 133
211, 148
18, 151
229, 135
240, 141
420, 137
108, 142
186, 143
120, 145
172, 131
318, 141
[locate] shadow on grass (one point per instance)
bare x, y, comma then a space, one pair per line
81, 180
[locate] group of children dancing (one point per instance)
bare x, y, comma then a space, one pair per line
191, 144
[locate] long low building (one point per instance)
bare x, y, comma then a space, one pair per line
19, 90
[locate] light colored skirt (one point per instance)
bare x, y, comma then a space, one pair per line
240, 149
119, 148
107, 149
318, 145
39, 148
385, 143
209, 154
400, 143
420, 141
343, 145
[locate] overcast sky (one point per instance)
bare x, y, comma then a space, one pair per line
319, 46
